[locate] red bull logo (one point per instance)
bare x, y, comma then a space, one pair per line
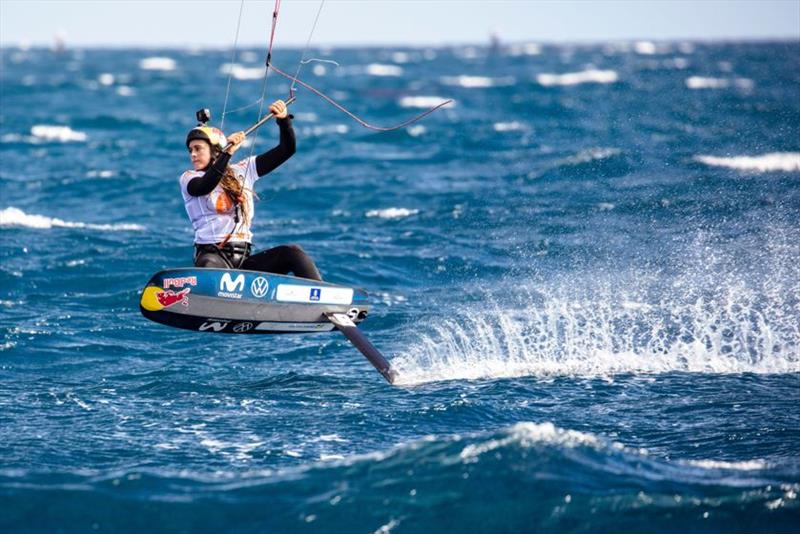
169, 297
154, 298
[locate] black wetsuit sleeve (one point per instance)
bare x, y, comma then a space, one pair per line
270, 160
203, 185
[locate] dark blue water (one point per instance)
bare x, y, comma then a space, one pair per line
586, 271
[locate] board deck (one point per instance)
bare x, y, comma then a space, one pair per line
247, 302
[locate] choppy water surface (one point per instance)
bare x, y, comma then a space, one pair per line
586, 271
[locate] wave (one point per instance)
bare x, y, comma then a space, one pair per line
12, 216
392, 213
423, 101
576, 78
511, 126
701, 82
542, 475
377, 69
48, 132
239, 72
773, 161
478, 82
157, 63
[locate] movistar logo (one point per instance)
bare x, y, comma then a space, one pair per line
231, 284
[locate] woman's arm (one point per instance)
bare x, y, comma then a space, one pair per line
270, 160
203, 185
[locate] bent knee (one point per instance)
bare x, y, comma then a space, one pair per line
294, 249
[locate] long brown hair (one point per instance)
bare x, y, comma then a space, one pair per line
235, 191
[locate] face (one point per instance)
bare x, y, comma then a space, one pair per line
199, 153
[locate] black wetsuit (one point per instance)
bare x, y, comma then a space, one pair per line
282, 259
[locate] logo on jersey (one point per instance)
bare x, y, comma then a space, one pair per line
259, 287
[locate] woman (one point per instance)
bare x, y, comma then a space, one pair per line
219, 201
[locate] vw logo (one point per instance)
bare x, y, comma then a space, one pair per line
242, 327
259, 287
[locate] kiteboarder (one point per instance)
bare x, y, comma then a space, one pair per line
219, 200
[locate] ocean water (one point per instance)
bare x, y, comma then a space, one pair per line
586, 271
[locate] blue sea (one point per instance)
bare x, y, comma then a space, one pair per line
586, 271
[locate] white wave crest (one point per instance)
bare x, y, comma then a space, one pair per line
477, 82
377, 69
47, 132
774, 161
240, 72
527, 434
576, 78
423, 101
645, 48
16, 217
157, 63
508, 126
746, 465
392, 213
702, 82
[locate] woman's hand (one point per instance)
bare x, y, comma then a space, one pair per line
235, 140
278, 108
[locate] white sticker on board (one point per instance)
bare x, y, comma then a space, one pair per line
294, 327
314, 294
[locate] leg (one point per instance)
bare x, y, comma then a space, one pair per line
284, 259
210, 259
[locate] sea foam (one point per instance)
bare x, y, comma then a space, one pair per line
392, 213
47, 132
157, 63
774, 161
576, 78
12, 216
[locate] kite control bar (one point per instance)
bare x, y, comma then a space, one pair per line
261, 122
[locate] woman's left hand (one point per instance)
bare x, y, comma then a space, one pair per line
278, 108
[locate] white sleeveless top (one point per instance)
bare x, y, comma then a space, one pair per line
212, 215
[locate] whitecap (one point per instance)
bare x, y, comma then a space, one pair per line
704, 82
508, 126
100, 174
575, 78
645, 48
774, 161
106, 79
12, 216
157, 63
415, 130
124, 90
746, 465
240, 72
477, 82
377, 69
392, 213
48, 132
423, 101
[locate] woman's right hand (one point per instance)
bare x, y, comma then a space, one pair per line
235, 140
